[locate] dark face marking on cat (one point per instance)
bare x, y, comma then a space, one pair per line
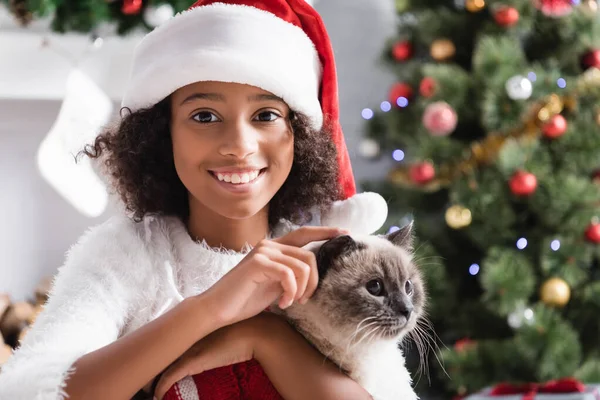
371, 283
333, 249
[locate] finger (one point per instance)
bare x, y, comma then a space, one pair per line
307, 234
284, 275
172, 375
308, 258
295, 259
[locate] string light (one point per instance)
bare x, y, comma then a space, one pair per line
521, 243
393, 229
367, 113
386, 106
474, 269
555, 245
402, 101
532, 76
398, 155
561, 83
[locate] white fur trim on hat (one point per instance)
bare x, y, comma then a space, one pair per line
362, 214
227, 43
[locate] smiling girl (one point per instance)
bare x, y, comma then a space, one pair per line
230, 134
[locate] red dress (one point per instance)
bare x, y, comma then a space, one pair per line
244, 381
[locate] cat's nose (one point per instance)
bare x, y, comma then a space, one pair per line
405, 309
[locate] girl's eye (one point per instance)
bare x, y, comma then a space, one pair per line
205, 117
267, 116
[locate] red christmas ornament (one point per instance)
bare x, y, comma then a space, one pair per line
554, 8
523, 183
556, 127
422, 173
400, 89
440, 118
402, 50
464, 344
596, 177
591, 59
506, 16
131, 7
427, 87
592, 233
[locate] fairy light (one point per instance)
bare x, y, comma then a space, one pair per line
474, 269
402, 101
385, 106
562, 83
367, 113
532, 76
393, 229
398, 155
521, 243
555, 245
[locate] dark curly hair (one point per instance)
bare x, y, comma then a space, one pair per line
138, 155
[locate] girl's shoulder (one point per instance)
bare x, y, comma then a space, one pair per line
120, 244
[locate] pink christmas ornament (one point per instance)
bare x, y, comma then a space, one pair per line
440, 118
554, 8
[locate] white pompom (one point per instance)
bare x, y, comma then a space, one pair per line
361, 214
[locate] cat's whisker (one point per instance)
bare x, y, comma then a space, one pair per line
424, 332
421, 340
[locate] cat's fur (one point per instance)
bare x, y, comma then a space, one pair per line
359, 331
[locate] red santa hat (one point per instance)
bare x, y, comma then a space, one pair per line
280, 46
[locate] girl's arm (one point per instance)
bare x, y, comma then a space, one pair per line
297, 370
73, 349
119, 370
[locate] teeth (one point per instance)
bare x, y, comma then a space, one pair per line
239, 178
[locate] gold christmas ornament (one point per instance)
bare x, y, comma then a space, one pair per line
442, 49
475, 5
555, 292
458, 217
597, 117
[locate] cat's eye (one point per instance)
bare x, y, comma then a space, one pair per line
408, 287
375, 287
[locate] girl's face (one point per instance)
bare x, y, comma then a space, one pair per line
233, 146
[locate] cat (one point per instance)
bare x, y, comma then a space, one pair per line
370, 295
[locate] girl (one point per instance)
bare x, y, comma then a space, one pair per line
231, 135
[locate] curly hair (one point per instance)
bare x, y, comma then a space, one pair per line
137, 155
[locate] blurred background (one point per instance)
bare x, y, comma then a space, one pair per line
477, 119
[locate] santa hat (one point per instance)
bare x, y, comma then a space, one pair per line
280, 46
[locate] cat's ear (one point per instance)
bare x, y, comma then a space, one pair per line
332, 249
404, 237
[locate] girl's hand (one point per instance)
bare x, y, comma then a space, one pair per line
277, 268
229, 345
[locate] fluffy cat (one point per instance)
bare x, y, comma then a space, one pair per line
370, 295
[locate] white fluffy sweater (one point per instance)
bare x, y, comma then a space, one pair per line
121, 275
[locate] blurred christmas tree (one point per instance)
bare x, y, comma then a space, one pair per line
495, 124
91, 16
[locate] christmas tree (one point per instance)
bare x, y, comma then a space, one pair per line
494, 122
97, 17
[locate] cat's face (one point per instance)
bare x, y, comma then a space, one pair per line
369, 284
